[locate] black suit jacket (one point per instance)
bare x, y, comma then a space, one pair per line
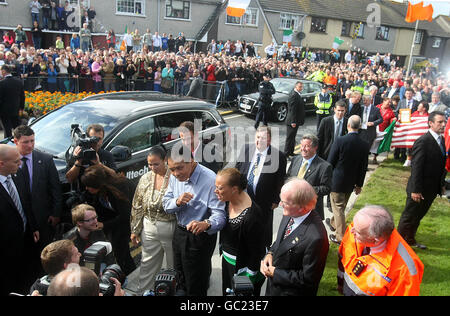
376, 118
404, 105
326, 135
299, 260
427, 167
296, 109
12, 97
319, 175
356, 109
46, 192
272, 175
348, 156
13, 239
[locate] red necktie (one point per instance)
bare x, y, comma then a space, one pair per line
289, 228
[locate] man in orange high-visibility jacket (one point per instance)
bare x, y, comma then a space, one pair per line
374, 260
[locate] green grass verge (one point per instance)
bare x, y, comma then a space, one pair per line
387, 187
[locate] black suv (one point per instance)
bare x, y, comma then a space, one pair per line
137, 120
279, 106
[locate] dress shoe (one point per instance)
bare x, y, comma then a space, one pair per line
418, 245
328, 222
334, 239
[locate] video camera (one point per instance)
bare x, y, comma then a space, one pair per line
167, 283
95, 258
79, 138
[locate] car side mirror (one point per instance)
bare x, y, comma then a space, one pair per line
121, 153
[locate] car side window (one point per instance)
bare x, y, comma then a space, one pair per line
315, 88
208, 120
139, 135
169, 122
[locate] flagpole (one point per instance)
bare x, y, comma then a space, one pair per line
412, 48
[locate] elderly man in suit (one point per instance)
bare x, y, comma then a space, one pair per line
348, 156
295, 117
331, 128
370, 119
42, 183
436, 104
295, 262
12, 100
316, 171
18, 228
353, 105
427, 178
265, 169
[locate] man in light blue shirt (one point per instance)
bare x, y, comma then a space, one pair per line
200, 215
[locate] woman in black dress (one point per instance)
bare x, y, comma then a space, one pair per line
241, 244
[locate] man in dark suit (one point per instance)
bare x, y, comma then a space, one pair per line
375, 99
12, 100
427, 178
18, 229
348, 156
295, 118
330, 127
212, 157
265, 169
406, 103
370, 119
353, 105
295, 262
42, 181
316, 171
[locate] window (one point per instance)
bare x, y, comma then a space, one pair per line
208, 120
178, 9
168, 124
84, 3
250, 17
3, 2
418, 38
382, 33
436, 42
130, 7
289, 21
318, 25
346, 28
139, 135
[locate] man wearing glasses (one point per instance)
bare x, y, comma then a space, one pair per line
86, 231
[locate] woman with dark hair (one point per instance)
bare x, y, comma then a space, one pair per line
110, 195
149, 222
241, 244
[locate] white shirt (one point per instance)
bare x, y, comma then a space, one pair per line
435, 136
157, 42
340, 127
261, 164
298, 221
365, 118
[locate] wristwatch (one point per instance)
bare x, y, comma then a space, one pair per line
207, 221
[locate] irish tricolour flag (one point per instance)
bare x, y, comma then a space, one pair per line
237, 8
337, 42
287, 36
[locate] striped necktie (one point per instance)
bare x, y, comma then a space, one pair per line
15, 197
251, 176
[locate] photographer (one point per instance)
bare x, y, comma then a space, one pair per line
79, 282
111, 196
55, 258
86, 231
76, 165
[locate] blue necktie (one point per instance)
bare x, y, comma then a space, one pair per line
252, 174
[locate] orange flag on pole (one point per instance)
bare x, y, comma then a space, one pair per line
419, 12
237, 8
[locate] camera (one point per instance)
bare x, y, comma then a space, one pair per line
167, 283
241, 286
95, 258
79, 138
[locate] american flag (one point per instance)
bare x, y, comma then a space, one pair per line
405, 134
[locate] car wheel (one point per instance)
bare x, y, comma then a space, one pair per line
281, 112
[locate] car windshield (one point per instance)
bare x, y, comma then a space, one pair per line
283, 86
53, 130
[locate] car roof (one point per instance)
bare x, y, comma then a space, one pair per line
123, 104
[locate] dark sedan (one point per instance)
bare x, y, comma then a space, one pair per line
279, 106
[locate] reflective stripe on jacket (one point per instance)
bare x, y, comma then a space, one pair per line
396, 270
323, 103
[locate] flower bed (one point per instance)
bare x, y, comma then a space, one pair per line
40, 103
